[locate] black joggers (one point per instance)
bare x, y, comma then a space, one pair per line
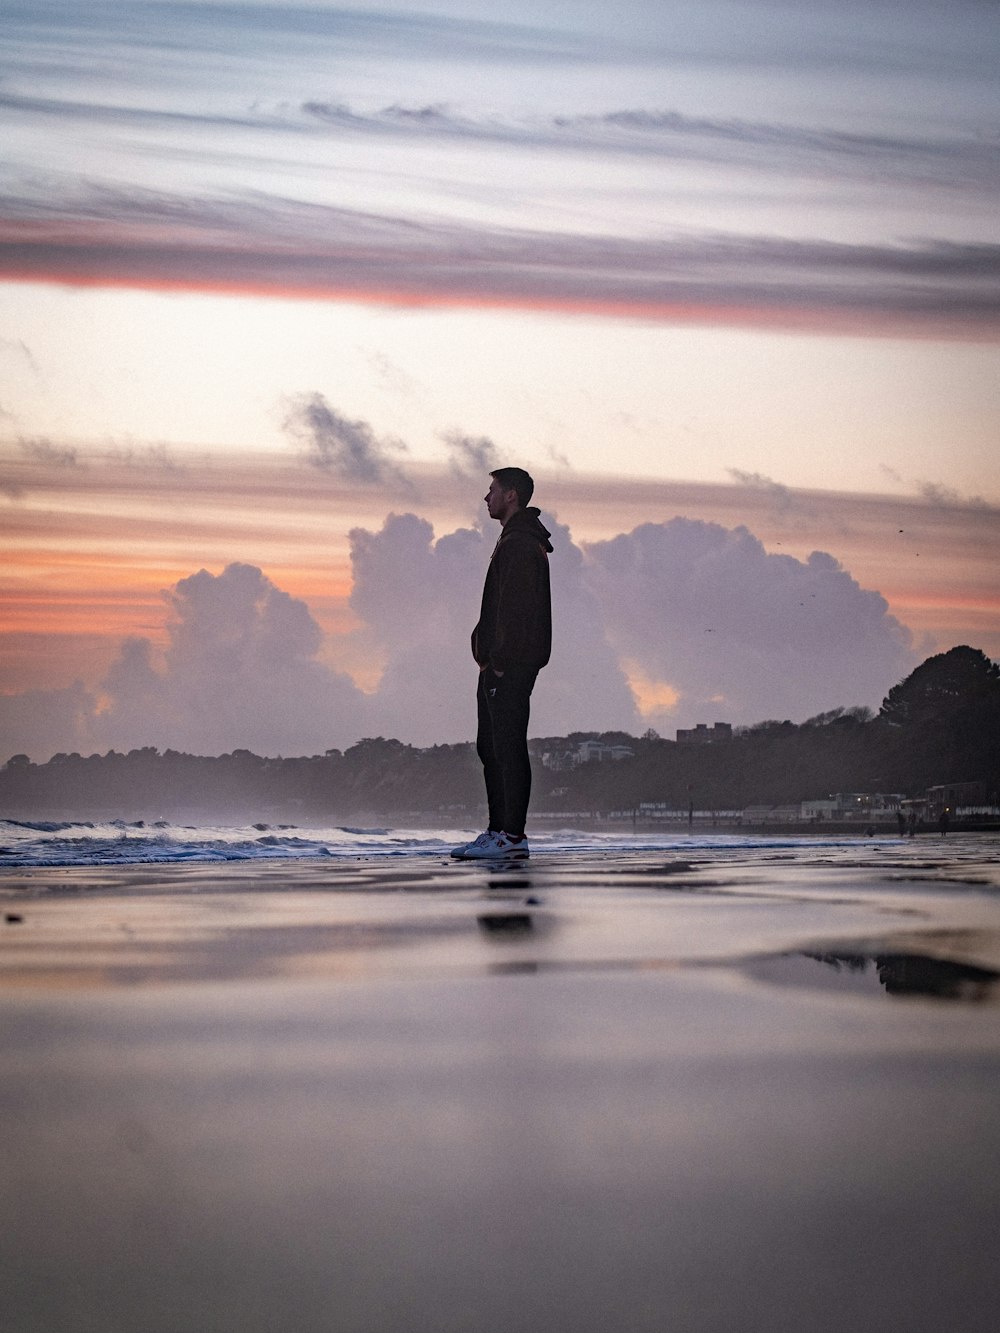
502, 744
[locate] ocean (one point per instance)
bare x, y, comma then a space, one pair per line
117, 842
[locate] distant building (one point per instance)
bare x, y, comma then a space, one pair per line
558, 761
853, 805
703, 734
950, 795
589, 750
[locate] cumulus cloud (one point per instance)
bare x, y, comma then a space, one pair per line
700, 620
419, 599
240, 671
741, 634
332, 442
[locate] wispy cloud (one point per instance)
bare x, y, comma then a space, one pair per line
670, 135
335, 444
20, 352
44, 451
932, 161
941, 496
252, 32
470, 455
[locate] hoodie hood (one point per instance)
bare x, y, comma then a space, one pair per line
528, 522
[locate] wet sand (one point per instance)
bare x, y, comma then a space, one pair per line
753, 1089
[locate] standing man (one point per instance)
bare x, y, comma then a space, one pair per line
511, 644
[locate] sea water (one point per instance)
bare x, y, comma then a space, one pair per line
116, 842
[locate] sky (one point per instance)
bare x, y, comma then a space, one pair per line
281, 282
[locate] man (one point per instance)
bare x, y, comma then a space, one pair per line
511, 644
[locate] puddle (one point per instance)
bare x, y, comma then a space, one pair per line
896, 975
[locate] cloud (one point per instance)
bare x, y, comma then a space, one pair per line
44, 451
698, 618
771, 148
784, 149
19, 350
741, 634
349, 449
240, 671
248, 33
945, 497
157, 457
781, 495
419, 600
279, 247
471, 455
286, 248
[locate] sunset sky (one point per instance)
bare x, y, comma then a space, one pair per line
280, 282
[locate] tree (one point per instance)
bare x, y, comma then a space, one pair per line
941, 687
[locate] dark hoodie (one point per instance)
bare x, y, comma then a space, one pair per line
515, 621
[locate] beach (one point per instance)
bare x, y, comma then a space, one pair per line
720, 1085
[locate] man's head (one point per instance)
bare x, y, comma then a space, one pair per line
510, 490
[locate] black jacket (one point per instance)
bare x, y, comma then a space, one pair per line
515, 621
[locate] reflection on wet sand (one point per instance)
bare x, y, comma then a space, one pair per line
438, 1097
911, 974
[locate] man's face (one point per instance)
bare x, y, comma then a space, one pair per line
500, 503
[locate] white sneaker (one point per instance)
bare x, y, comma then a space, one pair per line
478, 847
491, 845
513, 851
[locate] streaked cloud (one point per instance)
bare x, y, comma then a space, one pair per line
786, 149
201, 99
145, 239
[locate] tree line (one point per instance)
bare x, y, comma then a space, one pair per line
939, 725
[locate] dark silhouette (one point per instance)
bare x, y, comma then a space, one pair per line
917, 974
510, 644
943, 688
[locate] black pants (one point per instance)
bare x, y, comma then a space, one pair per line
502, 744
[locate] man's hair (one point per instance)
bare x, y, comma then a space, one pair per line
516, 479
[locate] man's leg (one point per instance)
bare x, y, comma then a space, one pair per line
508, 702
486, 749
